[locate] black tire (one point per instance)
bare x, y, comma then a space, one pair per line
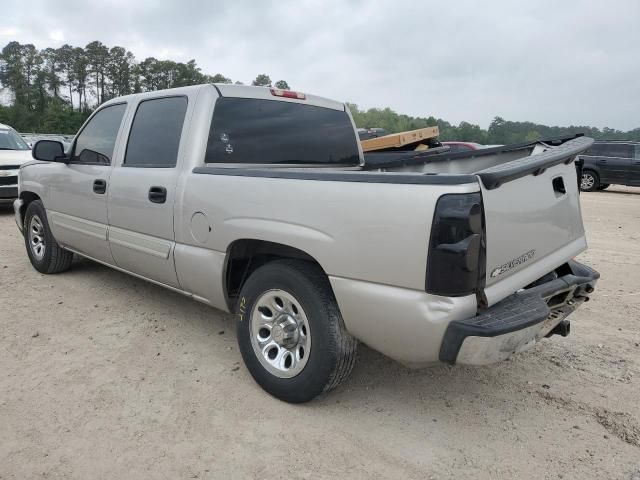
333, 351
54, 258
604, 186
590, 181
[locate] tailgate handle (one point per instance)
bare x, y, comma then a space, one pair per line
558, 186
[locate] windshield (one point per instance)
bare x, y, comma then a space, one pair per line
10, 140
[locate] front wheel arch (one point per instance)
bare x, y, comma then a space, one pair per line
27, 197
43, 251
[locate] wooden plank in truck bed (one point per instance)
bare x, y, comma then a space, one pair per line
397, 140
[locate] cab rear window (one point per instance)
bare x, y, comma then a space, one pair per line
258, 131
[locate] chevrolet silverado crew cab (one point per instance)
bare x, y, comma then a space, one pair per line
14, 151
259, 202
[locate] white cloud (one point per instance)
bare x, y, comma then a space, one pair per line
57, 36
9, 31
562, 63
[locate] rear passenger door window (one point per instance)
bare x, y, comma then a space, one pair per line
155, 133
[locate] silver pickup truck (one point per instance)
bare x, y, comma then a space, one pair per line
260, 202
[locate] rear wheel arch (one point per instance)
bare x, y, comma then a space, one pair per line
245, 255
290, 331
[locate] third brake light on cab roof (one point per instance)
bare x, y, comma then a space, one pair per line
288, 94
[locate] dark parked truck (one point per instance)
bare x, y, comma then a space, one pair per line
258, 201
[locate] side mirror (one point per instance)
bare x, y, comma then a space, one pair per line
48, 151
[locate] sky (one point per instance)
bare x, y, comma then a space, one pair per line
562, 62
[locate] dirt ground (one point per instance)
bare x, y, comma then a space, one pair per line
106, 376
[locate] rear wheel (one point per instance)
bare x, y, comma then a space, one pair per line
290, 331
589, 181
45, 254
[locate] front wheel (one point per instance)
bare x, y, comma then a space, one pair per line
45, 254
589, 181
290, 331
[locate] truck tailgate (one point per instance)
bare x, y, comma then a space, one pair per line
532, 217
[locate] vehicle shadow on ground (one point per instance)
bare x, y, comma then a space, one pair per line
629, 191
6, 208
375, 378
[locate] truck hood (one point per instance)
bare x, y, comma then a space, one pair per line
14, 157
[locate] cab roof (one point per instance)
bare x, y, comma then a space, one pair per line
265, 93
241, 91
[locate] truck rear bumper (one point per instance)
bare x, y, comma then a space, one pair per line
418, 329
516, 323
404, 324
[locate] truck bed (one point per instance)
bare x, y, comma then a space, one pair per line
436, 166
529, 196
441, 161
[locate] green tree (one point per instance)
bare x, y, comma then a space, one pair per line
119, 69
12, 72
80, 65
46, 85
262, 80
217, 78
187, 74
65, 55
97, 58
53, 71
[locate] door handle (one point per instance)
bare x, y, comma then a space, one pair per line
157, 194
99, 186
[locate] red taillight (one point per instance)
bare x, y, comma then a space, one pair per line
288, 94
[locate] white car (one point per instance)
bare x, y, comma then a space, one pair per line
14, 151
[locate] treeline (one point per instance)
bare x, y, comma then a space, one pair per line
500, 131
54, 90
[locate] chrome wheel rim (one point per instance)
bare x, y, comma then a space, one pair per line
280, 333
587, 181
36, 237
